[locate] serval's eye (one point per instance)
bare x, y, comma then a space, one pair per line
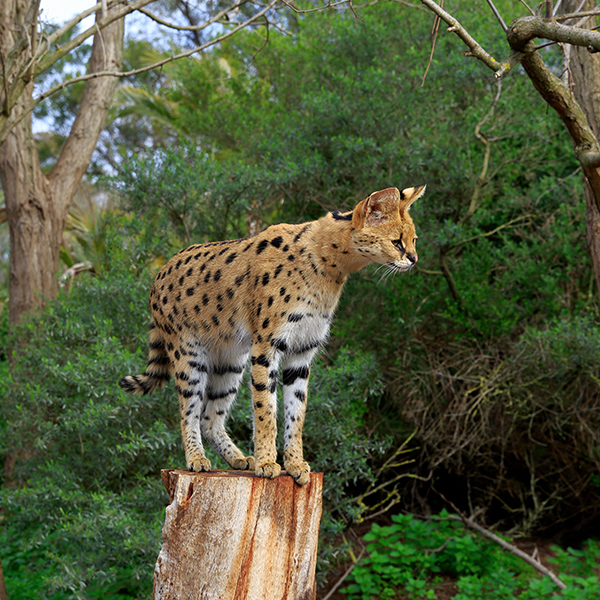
398, 244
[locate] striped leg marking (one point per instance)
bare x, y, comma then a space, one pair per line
191, 377
223, 384
296, 369
265, 364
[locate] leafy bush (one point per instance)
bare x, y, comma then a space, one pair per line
409, 557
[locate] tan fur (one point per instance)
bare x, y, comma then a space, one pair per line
269, 298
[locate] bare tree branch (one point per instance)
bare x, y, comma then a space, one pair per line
475, 48
472, 524
526, 29
497, 15
318, 8
529, 7
589, 13
47, 60
200, 27
9, 124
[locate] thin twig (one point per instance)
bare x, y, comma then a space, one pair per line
587, 13
436, 27
200, 27
497, 15
318, 8
471, 524
528, 7
10, 125
344, 576
475, 49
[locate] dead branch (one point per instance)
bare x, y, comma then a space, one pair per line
475, 49
200, 27
482, 178
526, 29
473, 525
497, 15
10, 124
344, 576
536, 564
587, 13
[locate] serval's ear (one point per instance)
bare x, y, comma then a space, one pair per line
378, 208
409, 195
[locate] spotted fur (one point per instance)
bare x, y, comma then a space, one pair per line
268, 300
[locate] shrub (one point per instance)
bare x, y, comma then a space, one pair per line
408, 558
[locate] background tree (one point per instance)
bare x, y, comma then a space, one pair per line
37, 203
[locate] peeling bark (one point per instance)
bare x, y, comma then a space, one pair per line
229, 535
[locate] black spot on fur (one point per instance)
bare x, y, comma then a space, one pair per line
259, 387
261, 360
277, 241
230, 258
261, 246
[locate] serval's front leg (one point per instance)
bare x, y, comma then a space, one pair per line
265, 364
295, 372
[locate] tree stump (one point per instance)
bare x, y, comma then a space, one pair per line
229, 535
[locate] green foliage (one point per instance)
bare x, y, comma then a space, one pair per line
408, 558
87, 457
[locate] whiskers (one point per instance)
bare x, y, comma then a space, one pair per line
390, 269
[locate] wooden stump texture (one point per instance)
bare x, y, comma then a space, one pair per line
229, 535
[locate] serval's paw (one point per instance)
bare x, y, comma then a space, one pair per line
300, 471
243, 464
268, 469
198, 464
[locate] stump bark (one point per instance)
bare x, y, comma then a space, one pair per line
229, 535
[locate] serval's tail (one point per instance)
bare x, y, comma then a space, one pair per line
157, 372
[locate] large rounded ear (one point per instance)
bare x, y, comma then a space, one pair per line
409, 195
377, 208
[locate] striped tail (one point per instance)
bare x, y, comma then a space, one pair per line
157, 372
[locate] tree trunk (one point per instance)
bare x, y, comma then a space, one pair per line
36, 204
3, 592
229, 535
584, 69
